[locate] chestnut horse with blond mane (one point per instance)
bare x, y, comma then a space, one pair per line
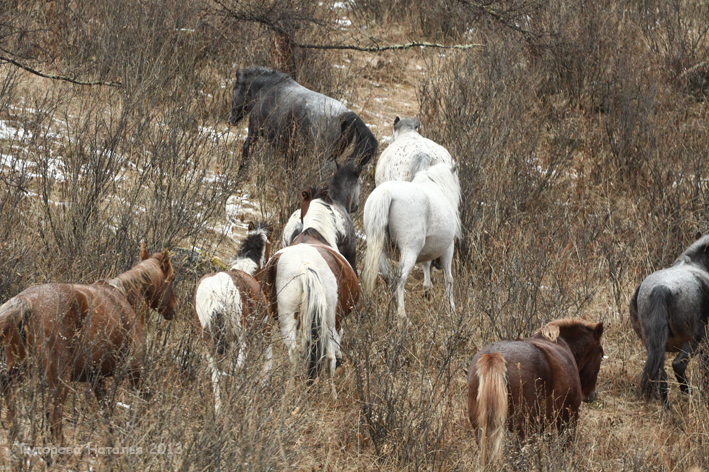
83, 333
535, 382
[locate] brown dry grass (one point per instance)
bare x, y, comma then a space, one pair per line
582, 154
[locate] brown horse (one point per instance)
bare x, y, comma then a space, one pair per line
537, 382
83, 333
311, 287
224, 302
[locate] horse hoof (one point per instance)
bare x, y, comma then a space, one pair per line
428, 294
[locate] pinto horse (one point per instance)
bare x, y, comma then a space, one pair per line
224, 302
343, 198
282, 110
408, 153
538, 382
669, 312
83, 333
311, 287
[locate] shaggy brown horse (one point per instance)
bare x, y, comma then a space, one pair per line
224, 302
311, 287
83, 333
537, 382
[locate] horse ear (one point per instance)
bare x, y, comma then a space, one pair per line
324, 194
598, 331
143, 252
252, 226
396, 120
165, 262
307, 196
417, 126
697, 235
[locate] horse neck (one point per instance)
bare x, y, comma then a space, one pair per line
262, 84
320, 218
245, 264
340, 198
137, 284
407, 134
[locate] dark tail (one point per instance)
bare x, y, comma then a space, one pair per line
492, 405
656, 334
365, 143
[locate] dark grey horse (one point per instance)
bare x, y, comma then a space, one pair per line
282, 110
669, 312
343, 196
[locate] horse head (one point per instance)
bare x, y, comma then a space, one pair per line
405, 125
584, 340
698, 253
313, 193
161, 296
345, 186
238, 101
264, 232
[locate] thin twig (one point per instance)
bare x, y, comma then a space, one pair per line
388, 47
57, 77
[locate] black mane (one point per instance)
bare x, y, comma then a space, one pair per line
252, 246
261, 76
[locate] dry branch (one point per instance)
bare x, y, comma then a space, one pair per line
57, 77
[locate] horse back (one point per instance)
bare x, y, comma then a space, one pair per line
84, 327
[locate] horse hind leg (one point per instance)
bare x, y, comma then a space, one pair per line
10, 400
427, 284
408, 261
447, 261
216, 377
58, 391
679, 364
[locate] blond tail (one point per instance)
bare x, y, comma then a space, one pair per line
492, 405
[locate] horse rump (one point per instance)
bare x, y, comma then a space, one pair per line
492, 405
656, 335
13, 317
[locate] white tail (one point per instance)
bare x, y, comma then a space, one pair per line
376, 220
313, 318
492, 405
